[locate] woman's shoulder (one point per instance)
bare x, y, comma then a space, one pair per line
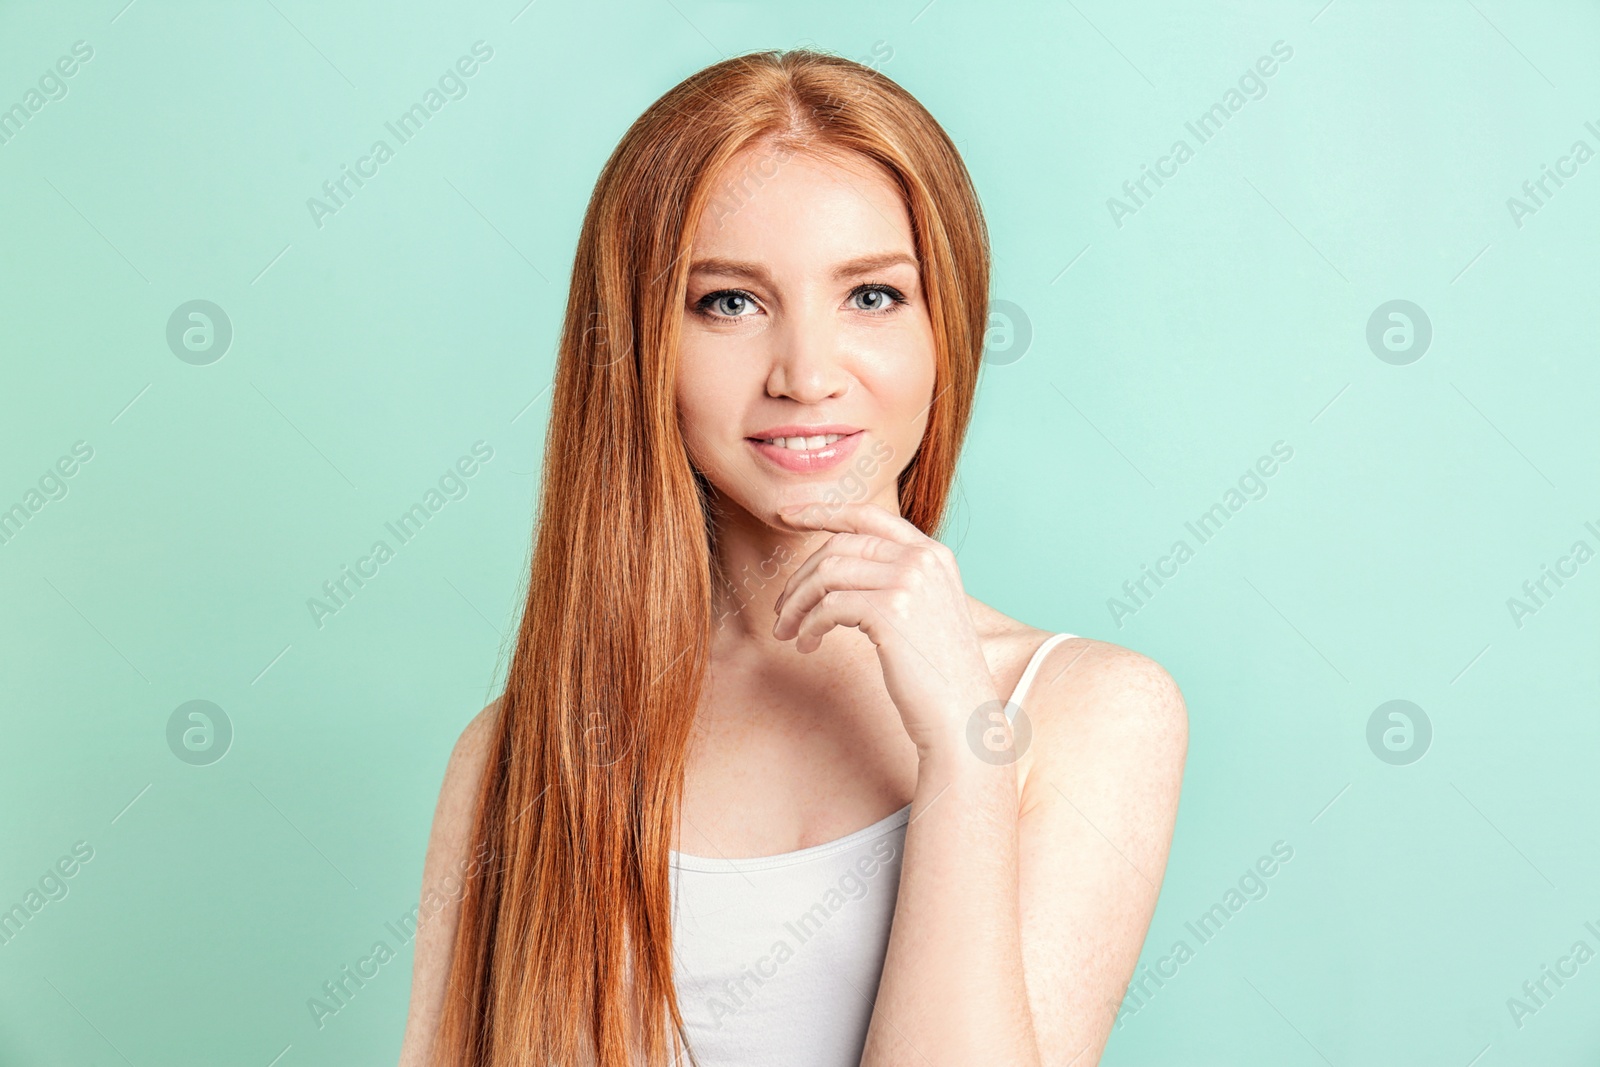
467, 759
472, 746
1089, 696
458, 792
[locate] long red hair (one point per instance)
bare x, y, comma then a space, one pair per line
563, 953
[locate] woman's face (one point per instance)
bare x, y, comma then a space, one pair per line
805, 320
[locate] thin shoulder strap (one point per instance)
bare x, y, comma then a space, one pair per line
1032, 669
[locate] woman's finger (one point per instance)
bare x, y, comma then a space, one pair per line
832, 574
837, 607
864, 546
853, 518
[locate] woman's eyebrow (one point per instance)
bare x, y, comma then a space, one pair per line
754, 271
874, 262
732, 268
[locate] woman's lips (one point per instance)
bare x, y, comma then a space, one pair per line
806, 461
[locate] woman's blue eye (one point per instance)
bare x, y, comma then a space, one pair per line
886, 296
735, 303
734, 309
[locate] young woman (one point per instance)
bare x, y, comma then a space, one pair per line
751, 794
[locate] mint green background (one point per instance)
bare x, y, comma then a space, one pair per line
1227, 314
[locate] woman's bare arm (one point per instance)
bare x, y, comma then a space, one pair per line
450, 855
1018, 924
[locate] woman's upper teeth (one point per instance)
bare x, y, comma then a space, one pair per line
804, 443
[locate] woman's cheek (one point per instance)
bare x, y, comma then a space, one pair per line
705, 425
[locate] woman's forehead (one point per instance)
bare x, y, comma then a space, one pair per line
807, 209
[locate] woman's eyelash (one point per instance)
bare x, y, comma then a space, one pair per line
897, 299
703, 305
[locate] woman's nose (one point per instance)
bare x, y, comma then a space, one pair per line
807, 365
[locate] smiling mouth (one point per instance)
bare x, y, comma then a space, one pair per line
807, 455
803, 444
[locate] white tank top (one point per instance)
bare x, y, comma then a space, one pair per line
778, 957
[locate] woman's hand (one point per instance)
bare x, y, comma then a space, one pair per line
901, 588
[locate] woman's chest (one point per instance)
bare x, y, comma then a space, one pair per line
776, 769
781, 761
774, 795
